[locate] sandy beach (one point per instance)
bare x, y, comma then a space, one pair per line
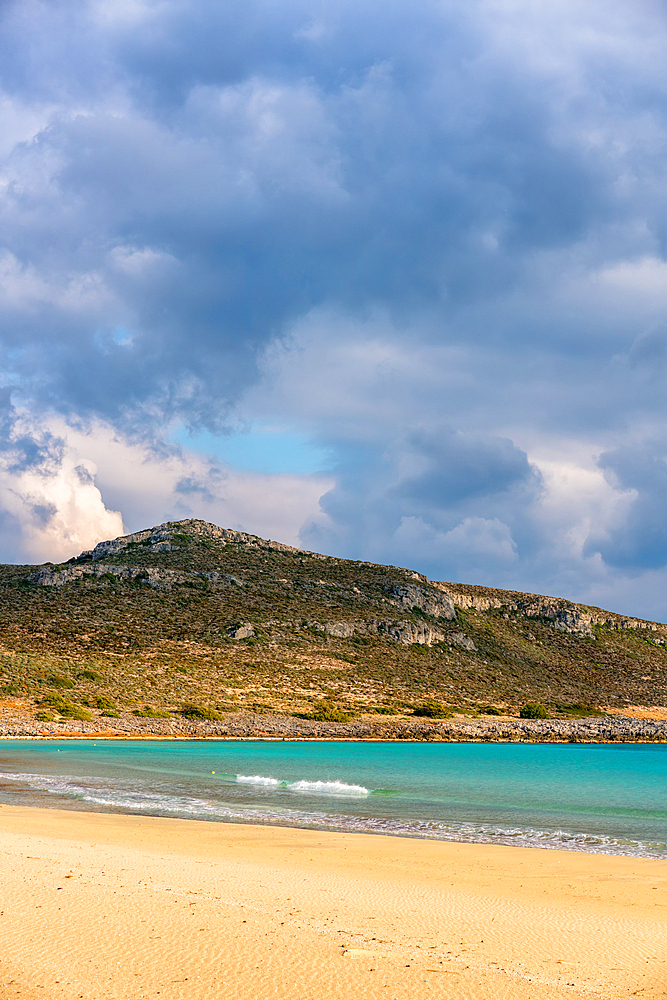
113, 906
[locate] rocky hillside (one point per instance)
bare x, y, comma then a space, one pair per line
191, 620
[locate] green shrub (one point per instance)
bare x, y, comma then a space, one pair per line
430, 709
533, 710
59, 681
53, 701
328, 713
199, 712
78, 712
105, 704
107, 708
491, 710
579, 710
45, 717
90, 675
151, 713
68, 709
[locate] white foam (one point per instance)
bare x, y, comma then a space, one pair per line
327, 788
115, 795
257, 779
312, 787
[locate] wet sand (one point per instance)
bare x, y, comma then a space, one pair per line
109, 906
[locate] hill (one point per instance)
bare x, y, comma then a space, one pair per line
191, 621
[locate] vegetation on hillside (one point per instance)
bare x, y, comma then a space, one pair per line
203, 625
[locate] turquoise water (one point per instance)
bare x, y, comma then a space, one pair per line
603, 798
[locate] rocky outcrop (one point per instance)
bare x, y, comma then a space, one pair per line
340, 630
158, 539
241, 632
161, 579
429, 599
161, 539
410, 634
61, 575
565, 616
405, 633
467, 601
461, 639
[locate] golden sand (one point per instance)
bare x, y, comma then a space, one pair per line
100, 906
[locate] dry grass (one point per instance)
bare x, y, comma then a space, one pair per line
104, 641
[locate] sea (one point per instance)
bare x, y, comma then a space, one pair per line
601, 798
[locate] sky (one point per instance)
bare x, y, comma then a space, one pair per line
387, 281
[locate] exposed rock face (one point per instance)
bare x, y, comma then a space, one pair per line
565, 615
242, 632
161, 539
405, 633
460, 639
466, 601
340, 630
438, 605
409, 634
159, 578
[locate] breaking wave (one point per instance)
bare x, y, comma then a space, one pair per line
340, 788
258, 779
114, 796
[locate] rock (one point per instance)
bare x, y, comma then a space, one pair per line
467, 601
461, 639
163, 547
58, 577
439, 605
410, 634
566, 615
340, 630
405, 633
242, 632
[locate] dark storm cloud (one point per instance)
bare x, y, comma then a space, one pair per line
186, 183
439, 497
641, 540
267, 172
461, 469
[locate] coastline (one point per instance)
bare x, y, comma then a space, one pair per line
119, 906
611, 728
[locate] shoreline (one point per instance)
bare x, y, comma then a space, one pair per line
195, 909
607, 729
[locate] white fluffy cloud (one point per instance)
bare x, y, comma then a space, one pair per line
51, 507
55, 503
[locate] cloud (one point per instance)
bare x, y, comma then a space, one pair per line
209, 178
50, 506
640, 541
431, 244
58, 483
470, 548
157, 483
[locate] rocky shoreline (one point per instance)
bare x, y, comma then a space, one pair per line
609, 729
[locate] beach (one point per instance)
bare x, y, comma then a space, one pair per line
116, 906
